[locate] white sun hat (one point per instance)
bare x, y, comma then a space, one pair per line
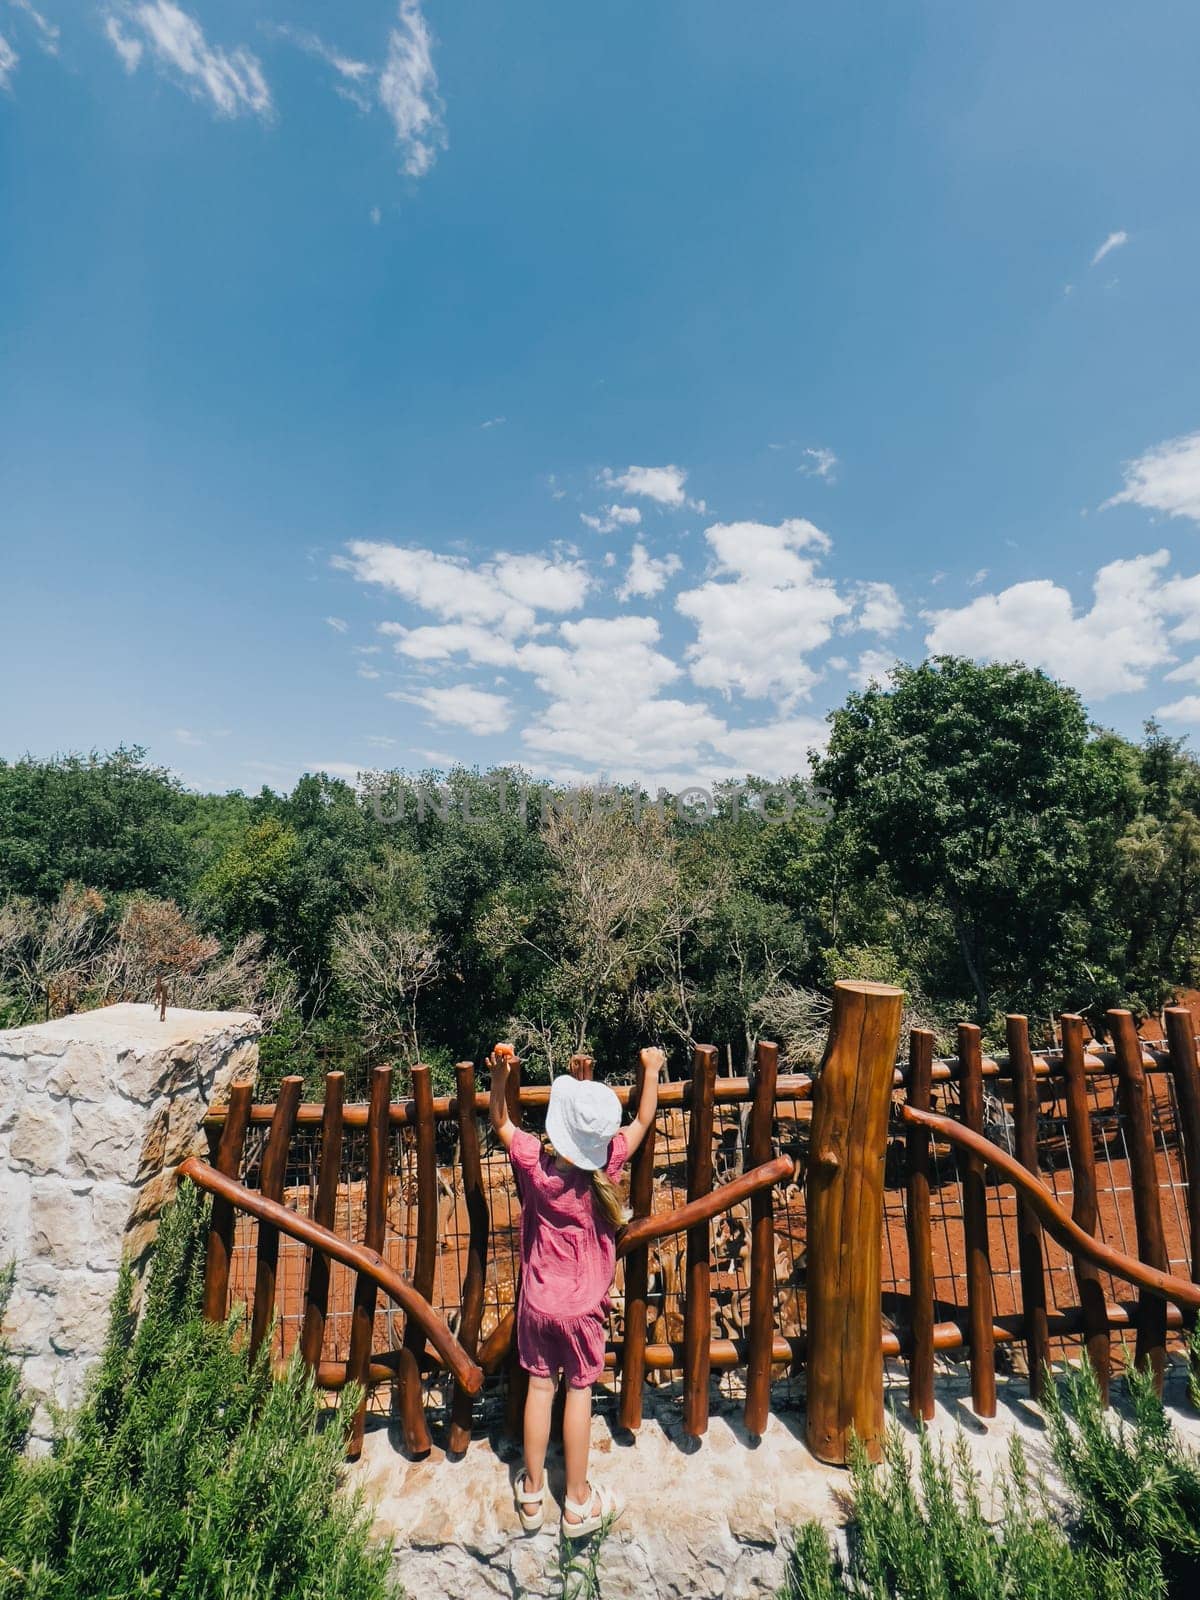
581, 1120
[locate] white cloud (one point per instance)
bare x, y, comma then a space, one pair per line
1113, 242
647, 574
338, 624
506, 592
873, 667
232, 81
662, 484
9, 60
756, 628
381, 741
1166, 478
48, 32
878, 608
462, 706
612, 517
186, 736
375, 215
408, 91
130, 50
776, 749
493, 422
351, 73
369, 673
1185, 710
1104, 651
1186, 672
819, 462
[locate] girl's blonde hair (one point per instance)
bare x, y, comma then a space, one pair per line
608, 1199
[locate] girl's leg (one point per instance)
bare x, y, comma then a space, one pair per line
538, 1405
577, 1439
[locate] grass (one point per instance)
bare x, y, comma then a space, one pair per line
187, 1474
1129, 1528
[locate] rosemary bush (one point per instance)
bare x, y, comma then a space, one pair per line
187, 1474
1129, 1530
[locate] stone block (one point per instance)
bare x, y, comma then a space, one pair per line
27, 1321
12, 1089
112, 1206
107, 1139
81, 1312
15, 1191
40, 1136
60, 1228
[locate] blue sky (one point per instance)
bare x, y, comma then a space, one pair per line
607, 389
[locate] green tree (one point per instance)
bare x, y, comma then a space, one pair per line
981, 789
113, 822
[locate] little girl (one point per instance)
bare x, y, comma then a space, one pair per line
570, 1211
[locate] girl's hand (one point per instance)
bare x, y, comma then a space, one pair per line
654, 1060
500, 1060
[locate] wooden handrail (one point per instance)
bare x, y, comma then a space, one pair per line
644, 1230
1056, 1221
368, 1262
792, 1087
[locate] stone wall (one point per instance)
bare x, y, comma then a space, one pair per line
96, 1112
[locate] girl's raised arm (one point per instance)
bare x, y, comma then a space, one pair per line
653, 1062
498, 1103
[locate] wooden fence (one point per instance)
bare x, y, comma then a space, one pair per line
996, 1208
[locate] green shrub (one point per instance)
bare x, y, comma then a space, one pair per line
1129, 1528
187, 1474
1136, 1488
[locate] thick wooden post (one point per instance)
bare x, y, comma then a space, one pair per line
474, 1274
697, 1314
362, 1323
1150, 1349
517, 1379
408, 1389
1084, 1201
851, 1100
920, 1228
316, 1297
1181, 1032
762, 1243
1029, 1229
973, 1176
637, 1274
272, 1174
222, 1219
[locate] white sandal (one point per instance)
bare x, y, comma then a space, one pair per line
530, 1522
589, 1520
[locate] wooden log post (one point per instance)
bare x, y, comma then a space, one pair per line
761, 1331
1029, 1230
222, 1219
329, 1167
362, 1322
408, 1394
637, 1275
697, 1315
1085, 1201
272, 1174
474, 1274
920, 1228
851, 1100
1150, 1347
516, 1378
973, 1177
1181, 1034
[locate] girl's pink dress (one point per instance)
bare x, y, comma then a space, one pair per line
568, 1254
